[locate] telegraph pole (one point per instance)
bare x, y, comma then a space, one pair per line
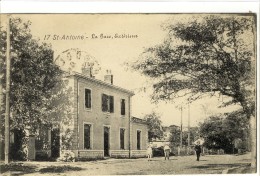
7, 107
189, 124
181, 130
188, 128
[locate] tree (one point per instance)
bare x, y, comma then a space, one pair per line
175, 135
154, 126
206, 56
221, 133
37, 87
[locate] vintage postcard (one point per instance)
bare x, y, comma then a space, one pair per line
128, 94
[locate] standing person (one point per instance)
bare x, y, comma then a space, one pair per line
149, 152
197, 150
167, 151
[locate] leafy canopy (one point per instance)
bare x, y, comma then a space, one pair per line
154, 126
208, 55
221, 133
36, 82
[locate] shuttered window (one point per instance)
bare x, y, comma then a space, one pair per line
107, 103
104, 103
111, 104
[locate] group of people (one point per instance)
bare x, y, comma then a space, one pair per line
167, 151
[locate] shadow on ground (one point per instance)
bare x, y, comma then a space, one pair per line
173, 159
17, 169
220, 166
242, 170
59, 169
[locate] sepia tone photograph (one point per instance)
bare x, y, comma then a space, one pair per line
128, 94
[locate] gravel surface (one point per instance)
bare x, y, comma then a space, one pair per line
209, 164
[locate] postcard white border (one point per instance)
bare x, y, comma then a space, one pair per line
16, 6
80, 6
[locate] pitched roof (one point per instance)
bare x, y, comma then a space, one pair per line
79, 75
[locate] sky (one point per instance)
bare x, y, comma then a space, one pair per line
112, 53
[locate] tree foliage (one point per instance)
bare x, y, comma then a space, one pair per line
211, 54
221, 133
37, 87
154, 126
175, 136
176, 133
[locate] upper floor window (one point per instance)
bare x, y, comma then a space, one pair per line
107, 103
122, 106
87, 98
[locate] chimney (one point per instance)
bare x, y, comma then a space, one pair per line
87, 71
108, 78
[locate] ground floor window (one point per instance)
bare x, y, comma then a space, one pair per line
138, 140
122, 138
87, 132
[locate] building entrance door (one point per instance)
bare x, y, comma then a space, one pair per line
106, 141
55, 143
31, 148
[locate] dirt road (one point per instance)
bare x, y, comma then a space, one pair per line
210, 164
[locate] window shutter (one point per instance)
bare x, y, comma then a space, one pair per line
104, 103
111, 104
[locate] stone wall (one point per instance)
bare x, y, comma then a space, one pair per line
119, 153
138, 153
90, 154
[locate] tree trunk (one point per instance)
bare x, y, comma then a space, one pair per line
253, 139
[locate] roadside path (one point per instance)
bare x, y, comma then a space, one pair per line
209, 164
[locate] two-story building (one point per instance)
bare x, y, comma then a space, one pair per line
102, 116
102, 124
101, 121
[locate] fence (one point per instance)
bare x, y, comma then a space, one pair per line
182, 151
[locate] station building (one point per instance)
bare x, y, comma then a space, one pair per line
102, 123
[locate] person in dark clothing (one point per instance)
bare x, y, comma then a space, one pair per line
198, 150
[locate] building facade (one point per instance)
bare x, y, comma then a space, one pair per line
102, 124
138, 137
98, 121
